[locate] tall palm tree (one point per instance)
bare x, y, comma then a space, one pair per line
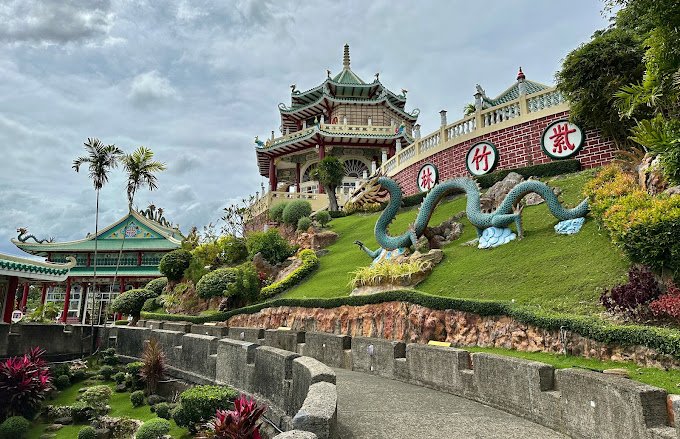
100, 159
141, 169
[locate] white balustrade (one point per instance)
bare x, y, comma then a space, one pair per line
461, 127
501, 113
429, 142
545, 99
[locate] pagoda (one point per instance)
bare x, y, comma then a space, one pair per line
363, 124
144, 237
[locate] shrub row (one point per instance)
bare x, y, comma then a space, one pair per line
549, 169
665, 340
309, 262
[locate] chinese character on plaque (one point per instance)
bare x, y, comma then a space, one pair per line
562, 139
482, 158
428, 176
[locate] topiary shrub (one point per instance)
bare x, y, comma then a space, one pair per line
152, 304
137, 398
81, 412
232, 249
295, 210
14, 427
131, 302
97, 397
106, 372
153, 429
304, 224
62, 382
119, 377
157, 285
276, 212
216, 283
173, 264
323, 217
87, 433
162, 410
134, 370
154, 399
273, 247
199, 404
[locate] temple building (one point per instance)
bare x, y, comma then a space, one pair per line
363, 124
144, 237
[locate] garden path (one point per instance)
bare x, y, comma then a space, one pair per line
374, 407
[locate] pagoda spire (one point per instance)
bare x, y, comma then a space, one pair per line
345, 57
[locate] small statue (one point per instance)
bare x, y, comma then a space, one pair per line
328, 73
377, 76
294, 90
259, 142
403, 92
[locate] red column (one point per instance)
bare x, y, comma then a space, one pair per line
67, 300
9, 300
139, 258
322, 155
297, 177
24, 297
272, 175
43, 294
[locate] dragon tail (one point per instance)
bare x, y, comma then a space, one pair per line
554, 205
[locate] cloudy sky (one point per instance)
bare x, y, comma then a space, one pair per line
197, 80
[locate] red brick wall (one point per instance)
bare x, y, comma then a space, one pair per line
518, 146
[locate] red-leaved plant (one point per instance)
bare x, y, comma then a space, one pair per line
667, 305
24, 383
240, 423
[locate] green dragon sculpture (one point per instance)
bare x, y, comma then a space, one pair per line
502, 217
23, 237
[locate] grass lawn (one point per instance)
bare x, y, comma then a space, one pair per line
665, 379
120, 406
544, 270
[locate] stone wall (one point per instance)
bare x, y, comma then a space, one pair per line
417, 324
61, 342
518, 146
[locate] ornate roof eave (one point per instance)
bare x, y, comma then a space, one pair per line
379, 86
36, 270
495, 100
413, 116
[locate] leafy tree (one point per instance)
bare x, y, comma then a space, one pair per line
100, 159
271, 244
236, 216
329, 172
173, 264
592, 73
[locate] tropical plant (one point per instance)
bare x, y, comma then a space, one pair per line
469, 109
24, 383
153, 370
631, 299
329, 173
387, 273
174, 263
271, 244
295, 210
100, 159
668, 305
153, 429
239, 423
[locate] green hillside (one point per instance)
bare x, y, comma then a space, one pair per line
544, 270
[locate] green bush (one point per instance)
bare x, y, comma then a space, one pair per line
123, 322
549, 169
173, 264
154, 399
87, 433
162, 410
151, 304
157, 285
137, 398
62, 382
200, 403
323, 217
309, 263
232, 250
106, 372
131, 302
271, 244
119, 377
153, 429
227, 250
81, 412
413, 200
97, 397
59, 369
109, 352
337, 214
276, 212
304, 224
216, 283
14, 427
295, 210
134, 368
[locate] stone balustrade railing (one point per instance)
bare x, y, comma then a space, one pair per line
318, 201
520, 110
333, 128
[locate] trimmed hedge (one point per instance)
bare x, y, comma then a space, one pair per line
295, 210
173, 264
413, 200
549, 169
157, 285
309, 262
131, 302
665, 340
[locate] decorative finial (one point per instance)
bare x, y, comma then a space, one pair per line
328, 73
377, 76
520, 75
403, 92
345, 58
293, 88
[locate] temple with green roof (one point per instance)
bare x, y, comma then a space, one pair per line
144, 238
362, 123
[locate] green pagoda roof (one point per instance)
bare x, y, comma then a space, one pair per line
141, 233
35, 270
512, 92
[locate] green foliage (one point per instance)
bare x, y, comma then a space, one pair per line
119, 377
226, 250
137, 398
157, 285
323, 217
200, 403
106, 372
413, 200
82, 412
14, 427
216, 283
276, 212
153, 429
122, 322
87, 432
309, 262
162, 409
62, 382
131, 302
134, 368
295, 210
549, 169
232, 250
173, 264
337, 214
97, 397
152, 304
368, 207
271, 244
304, 224
661, 136
330, 172
387, 273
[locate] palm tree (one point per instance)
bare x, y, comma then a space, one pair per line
100, 159
140, 168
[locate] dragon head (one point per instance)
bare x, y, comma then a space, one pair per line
22, 230
371, 191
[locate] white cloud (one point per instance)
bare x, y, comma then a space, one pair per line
150, 87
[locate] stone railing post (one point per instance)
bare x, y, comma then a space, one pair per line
442, 127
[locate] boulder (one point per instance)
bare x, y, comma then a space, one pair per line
496, 193
323, 239
54, 427
674, 190
66, 420
650, 177
534, 199
262, 266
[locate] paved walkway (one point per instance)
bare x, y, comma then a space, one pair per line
373, 407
